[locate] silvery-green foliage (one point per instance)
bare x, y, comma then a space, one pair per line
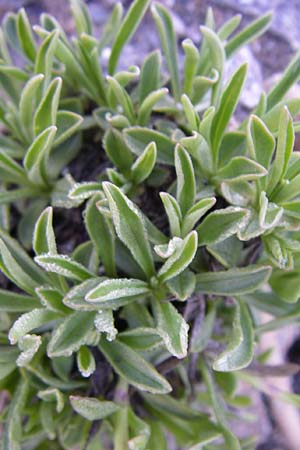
192, 232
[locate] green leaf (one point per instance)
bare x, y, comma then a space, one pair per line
126, 31
28, 345
45, 115
228, 252
104, 323
52, 299
147, 105
15, 271
165, 28
221, 224
230, 439
25, 35
63, 265
186, 184
284, 148
239, 352
101, 234
144, 164
150, 75
173, 212
28, 100
195, 213
92, 408
14, 303
190, 64
85, 362
45, 56
14, 258
228, 102
229, 27
84, 190
201, 337
71, 334
117, 150
190, 112
135, 369
28, 322
249, 33
114, 292
81, 16
233, 281
43, 236
10, 170
36, 157
286, 285
215, 49
137, 139
67, 122
141, 339
183, 285
12, 434
241, 168
130, 227
111, 27
181, 258
123, 98
172, 328
260, 140
289, 77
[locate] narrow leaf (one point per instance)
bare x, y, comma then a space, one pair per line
135, 369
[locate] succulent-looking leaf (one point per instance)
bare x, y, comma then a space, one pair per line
173, 212
85, 361
37, 155
180, 259
221, 224
13, 302
137, 139
29, 321
117, 150
232, 281
45, 115
43, 236
101, 233
186, 184
13, 426
183, 285
92, 408
104, 322
239, 352
127, 29
130, 227
135, 369
150, 75
227, 106
53, 395
144, 164
29, 345
63, 265
241, 168
260, 141
114, 289
172, 328
252, 31
195, 213
165, 28
284, 148
71, 334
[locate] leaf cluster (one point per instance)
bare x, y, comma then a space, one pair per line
192, 234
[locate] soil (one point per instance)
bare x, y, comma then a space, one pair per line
267, 57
